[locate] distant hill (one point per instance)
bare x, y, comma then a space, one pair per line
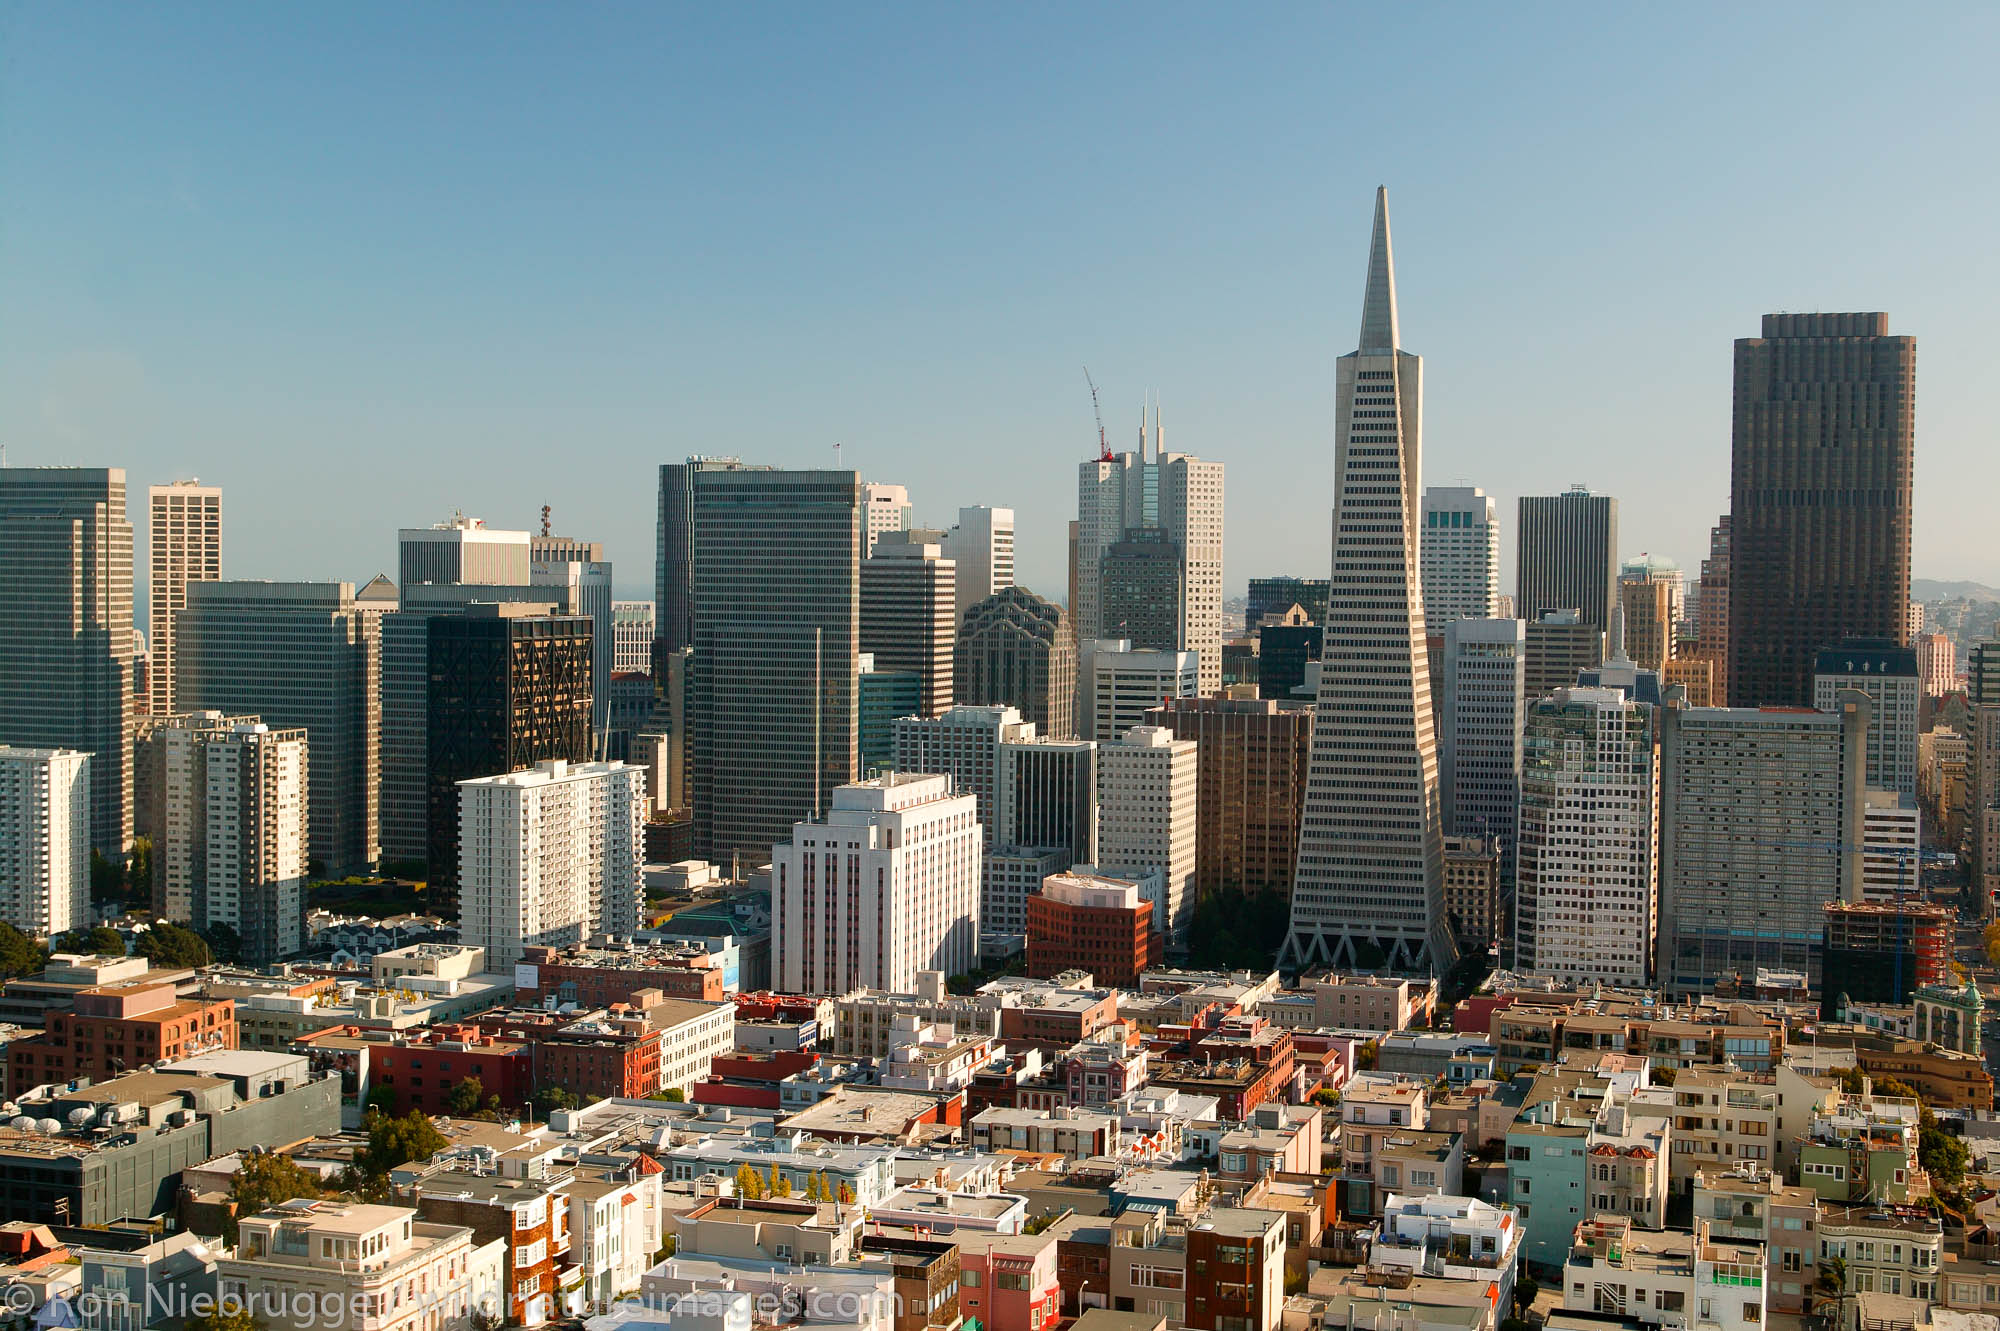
1930, 589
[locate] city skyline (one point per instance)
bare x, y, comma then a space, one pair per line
355, 316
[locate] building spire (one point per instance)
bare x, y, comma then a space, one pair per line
1378, 306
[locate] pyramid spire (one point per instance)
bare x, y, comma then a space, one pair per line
1378, 306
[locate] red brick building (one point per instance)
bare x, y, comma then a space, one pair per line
423, 1068
1236, 1271
1055, 1018
117, 1028
613, 1056
598, 977
1100, 925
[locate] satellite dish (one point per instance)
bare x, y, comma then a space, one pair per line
48, 1126
21, 1123
80, 1116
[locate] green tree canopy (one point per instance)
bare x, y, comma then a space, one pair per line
224, 943
1942, 1155
265, 1180
396, 1141
19, 954
233, 1318
99, 940
172, 945
467, 1096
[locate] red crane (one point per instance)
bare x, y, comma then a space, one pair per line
1103, 444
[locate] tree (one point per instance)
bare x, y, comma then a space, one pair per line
139, 870
749, 1184
107, 880
1942, 1155
1326, 1097
1853, 1080
548, 1099
781, 1184
396, 1141
263, 1181
1831, 1288
98, 941
1369, 1056
846, 1195
173, 946
224, 943
1525, 1290
19, 954
382, 1098
674, 1095
1992, 940
1665, 1076
467, 1096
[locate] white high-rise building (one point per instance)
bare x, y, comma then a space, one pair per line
1460, 549
1115, 685
907, 622
1176, 492
1479, 711
549, 856
44, 839
981, 547
186, 546
963, 744
1147, 818
1587, 900
632, 629
1369, 888
1892, 838
885, 886
1888, 674
462, 549
883, 508
233, 841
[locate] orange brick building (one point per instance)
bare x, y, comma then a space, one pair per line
1101, 925
116, 1028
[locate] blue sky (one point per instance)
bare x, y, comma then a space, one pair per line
364, 264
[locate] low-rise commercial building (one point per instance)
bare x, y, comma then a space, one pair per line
115, 1027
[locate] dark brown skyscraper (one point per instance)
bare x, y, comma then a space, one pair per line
1819, 524
508, 688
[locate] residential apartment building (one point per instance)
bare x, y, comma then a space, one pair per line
1887, 674
44, 840
550, 856
185, 525
1586, 903
1148, 819
886, 885
401, 1273
1749, 1203
1666, 1280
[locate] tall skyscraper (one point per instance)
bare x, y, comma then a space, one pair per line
549, 856
1015, 649
1761, 823
777, 609
300, 656
1460, 549
1587, 902
1823, 443
44, 840
558, 561
1646, 612
1937, 664
884, 508
963, 744
1177, 493
405, 699
981, 548
1559, 645
1888, 675
462, 549
185, 546
509, 688
673, 565
1116, 684
1045, 795
1251, 758
1148, 818
232, 841
66, 646
907, 617
632, 637
1712, 621
853, 907
1271, 597
1139, 583
1567, 555
1480, 711
1369, 887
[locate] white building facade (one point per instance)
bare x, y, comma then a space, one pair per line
1147, 820
885, 886
1587, 903
1116, 685
963, 744
44, 839
1459, 553
981, 548
550, 856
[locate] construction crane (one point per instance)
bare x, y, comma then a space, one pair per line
1103, 443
